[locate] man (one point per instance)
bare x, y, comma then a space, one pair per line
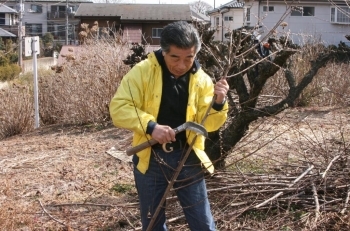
155, 96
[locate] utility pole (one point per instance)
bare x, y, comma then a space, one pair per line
67, 22
20, 35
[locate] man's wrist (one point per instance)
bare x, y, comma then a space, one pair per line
222, 102
219, 106
150, 127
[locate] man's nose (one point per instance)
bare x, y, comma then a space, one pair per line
182, 64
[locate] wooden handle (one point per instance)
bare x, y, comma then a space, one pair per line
140, 147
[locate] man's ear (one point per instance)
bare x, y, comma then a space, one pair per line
163, 53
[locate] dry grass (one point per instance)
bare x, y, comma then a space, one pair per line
77, 94
60, 165
16, 106
81, 92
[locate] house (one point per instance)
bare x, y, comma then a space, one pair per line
303, 21
307, 21
227, 17
42, 16
8, 21
138, 22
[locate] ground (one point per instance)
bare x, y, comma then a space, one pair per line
59, 164
65, 178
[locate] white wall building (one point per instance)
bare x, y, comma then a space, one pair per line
42, 16
229, 16
307, 21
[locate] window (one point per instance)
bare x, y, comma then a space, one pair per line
57, 11
217, 21
61, 30
228, 18
340, 14
34, 29
156, 32
303, 11
51, 28
248, 15
36, 8
333, 14
2, 18
268, 8
308, 11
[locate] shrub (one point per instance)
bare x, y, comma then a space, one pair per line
2, 44
9, 72
16, 115
13, 57
3, 60
81, 92
47, 39
46, 45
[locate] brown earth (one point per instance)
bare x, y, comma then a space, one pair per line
62, 178
59, 164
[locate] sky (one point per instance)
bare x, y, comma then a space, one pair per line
210, 2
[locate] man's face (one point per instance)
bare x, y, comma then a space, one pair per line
178, 60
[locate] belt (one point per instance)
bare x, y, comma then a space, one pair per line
178, 144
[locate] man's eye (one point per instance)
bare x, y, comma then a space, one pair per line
189, 59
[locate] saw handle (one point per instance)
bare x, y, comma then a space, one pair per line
140, 147
148, 143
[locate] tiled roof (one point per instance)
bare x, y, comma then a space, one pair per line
136, 11
6, 9
233, 4
5, 33
229, 5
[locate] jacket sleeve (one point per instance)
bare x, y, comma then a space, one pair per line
127, 107
215, 119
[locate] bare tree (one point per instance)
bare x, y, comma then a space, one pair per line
200, 7
248, 73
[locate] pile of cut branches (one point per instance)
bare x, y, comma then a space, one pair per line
309, 197
308, 192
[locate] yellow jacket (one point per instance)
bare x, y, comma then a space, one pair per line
137, 101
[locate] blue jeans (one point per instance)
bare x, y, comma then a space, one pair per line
190, 189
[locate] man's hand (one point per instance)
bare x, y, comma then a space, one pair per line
163, 134
220, 90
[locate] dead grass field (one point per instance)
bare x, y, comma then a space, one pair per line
61, 178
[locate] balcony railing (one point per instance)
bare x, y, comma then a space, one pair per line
58, 15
